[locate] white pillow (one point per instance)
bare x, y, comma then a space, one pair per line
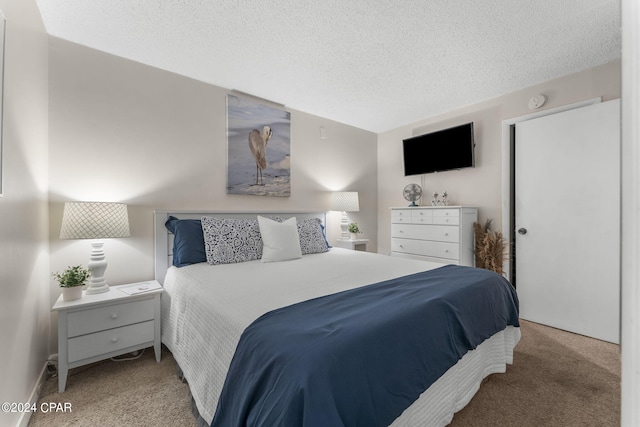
281, 241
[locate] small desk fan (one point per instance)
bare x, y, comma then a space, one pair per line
412, 192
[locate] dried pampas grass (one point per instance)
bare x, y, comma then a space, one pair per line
490, 247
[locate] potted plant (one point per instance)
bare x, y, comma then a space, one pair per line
71, 281
353, 230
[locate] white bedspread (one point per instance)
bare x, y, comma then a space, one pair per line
206, 308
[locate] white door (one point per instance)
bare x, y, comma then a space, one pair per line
567, 174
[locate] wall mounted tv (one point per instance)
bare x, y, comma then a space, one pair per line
439, 151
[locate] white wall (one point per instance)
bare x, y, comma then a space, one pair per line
24, 263
630, 301
480, 186
123, 131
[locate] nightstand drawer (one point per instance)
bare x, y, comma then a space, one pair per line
110, 316
104, 342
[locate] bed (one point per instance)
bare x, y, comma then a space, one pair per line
212, 315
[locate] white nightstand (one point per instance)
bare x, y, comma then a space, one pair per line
354, 245
105, 325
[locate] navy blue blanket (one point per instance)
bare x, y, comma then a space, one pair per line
360, 357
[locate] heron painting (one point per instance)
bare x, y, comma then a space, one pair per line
258, 148
258, 145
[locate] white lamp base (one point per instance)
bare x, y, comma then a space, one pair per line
97, 266
344, 226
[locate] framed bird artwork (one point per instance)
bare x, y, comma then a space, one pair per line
258, 148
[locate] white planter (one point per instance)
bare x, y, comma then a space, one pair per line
72, 294
353, 236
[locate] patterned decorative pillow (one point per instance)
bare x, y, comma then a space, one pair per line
228, 241
312, 239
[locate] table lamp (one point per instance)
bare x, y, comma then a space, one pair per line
345, 201
95, 220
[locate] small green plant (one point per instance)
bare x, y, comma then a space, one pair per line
353, 228
72, 276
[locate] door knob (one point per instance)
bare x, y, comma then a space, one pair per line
522, 231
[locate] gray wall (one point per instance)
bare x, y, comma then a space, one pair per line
24, 249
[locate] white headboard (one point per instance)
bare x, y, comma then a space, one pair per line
163, 239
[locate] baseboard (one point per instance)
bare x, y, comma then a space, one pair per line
23, 421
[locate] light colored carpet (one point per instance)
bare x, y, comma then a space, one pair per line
557, 379
138, 392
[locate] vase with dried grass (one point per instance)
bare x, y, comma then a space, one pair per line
490, 247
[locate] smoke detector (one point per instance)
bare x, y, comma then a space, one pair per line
537, 101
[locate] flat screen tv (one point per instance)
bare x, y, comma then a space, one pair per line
439, 151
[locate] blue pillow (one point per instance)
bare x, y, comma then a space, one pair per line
324, 234
188, 242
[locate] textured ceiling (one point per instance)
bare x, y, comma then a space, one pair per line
375, 64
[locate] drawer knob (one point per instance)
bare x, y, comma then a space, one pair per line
114, 316
446, 234
401, 246
114, 339
446, 250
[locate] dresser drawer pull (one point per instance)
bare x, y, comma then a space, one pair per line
114, 339
114, 316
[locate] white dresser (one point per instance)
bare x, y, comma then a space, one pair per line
434, 233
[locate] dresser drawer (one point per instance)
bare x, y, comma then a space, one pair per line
446, 216
449, 251
426, 258
421, 216
440, 233
110, 316
399, 216
105, 342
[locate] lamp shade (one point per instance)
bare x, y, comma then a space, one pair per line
345, 201
94, 220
